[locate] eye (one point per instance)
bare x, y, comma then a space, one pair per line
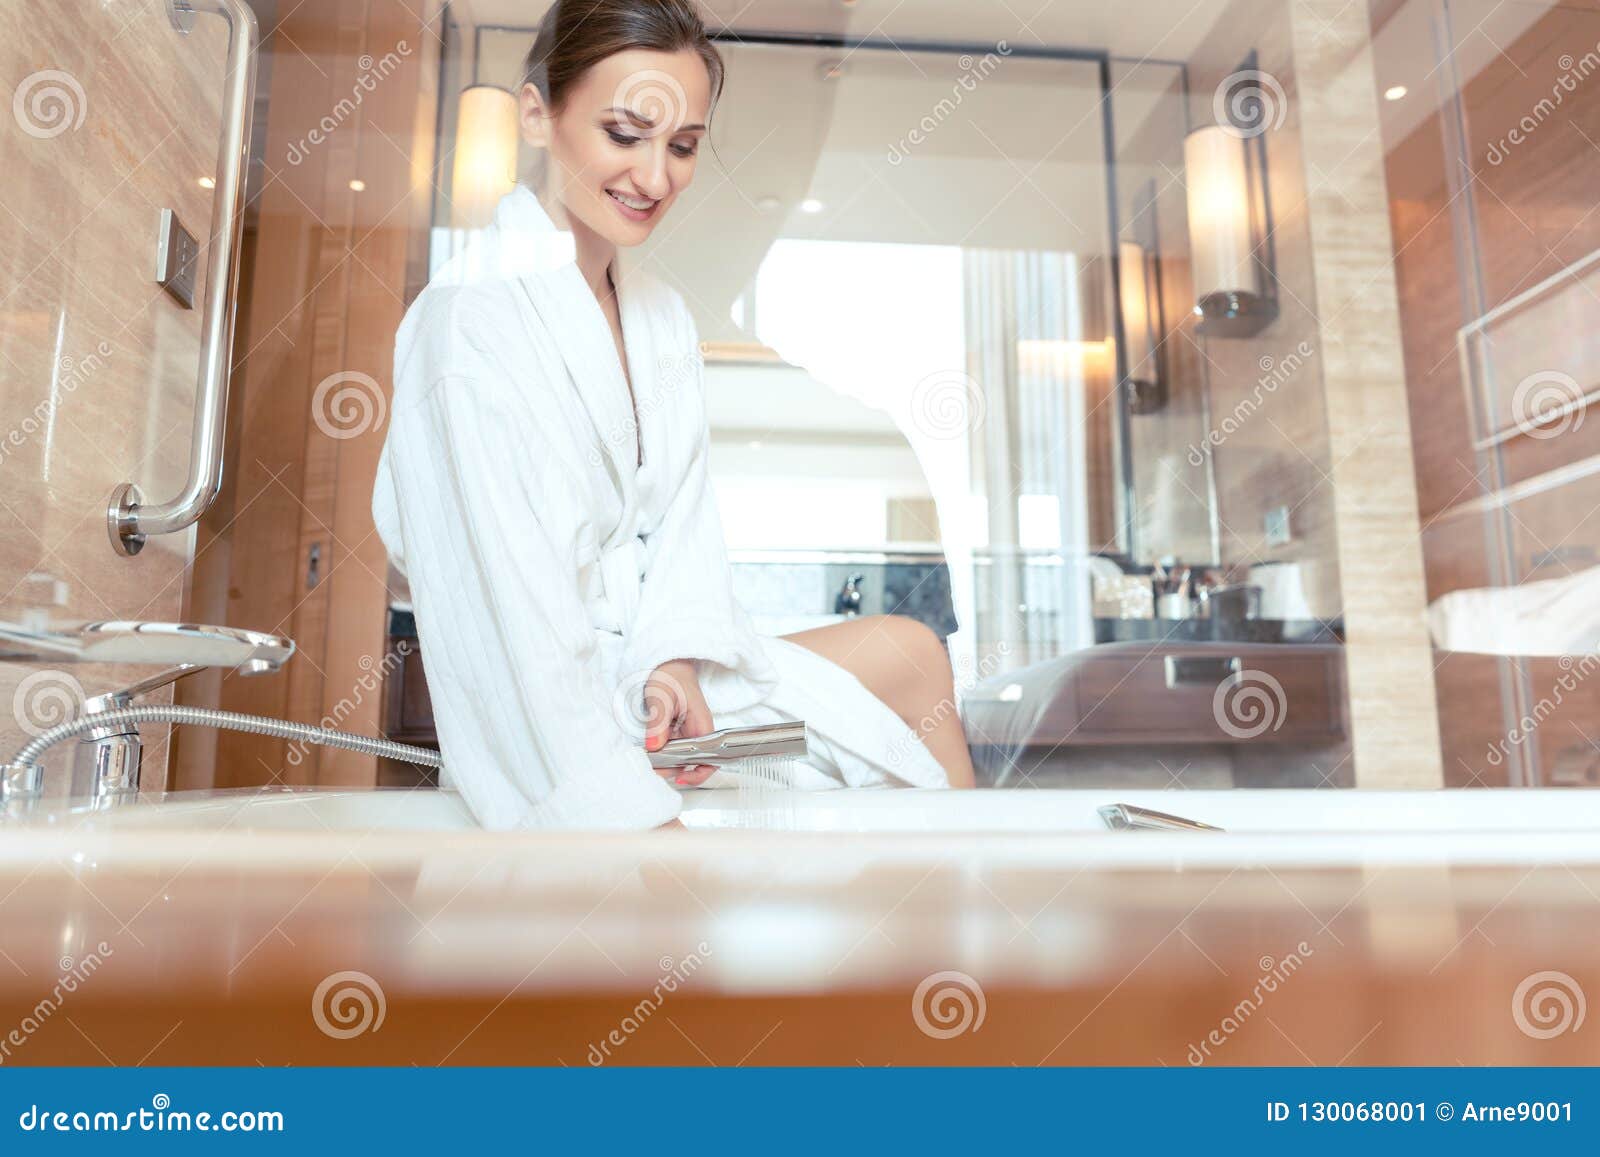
685, 150
626, 140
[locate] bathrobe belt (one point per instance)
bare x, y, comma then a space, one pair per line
622, 566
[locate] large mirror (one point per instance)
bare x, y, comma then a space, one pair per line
1020, 338
989, 408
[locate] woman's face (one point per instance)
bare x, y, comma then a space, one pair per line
625, 142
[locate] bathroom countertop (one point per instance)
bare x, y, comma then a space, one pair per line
752, 947
1216, 631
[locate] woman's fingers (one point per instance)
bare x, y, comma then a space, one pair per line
695, 775
696, 721
696, 716
676, 708
665, 701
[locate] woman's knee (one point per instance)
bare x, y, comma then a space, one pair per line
925, 663
925, 647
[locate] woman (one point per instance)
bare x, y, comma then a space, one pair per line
543, 484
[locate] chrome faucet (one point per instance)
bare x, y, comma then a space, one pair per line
848, 600
117, 750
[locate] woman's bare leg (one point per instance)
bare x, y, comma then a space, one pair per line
905, 664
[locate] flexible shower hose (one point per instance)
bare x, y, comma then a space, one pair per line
229, 721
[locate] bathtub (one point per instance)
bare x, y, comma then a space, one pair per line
828, 912
1289, 827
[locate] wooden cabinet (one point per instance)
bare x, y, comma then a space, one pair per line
1166, 693
407, 709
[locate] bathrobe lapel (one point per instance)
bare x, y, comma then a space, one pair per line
525, 244
567, 311
574, 320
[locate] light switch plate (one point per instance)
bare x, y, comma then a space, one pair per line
1276, 525
176, 254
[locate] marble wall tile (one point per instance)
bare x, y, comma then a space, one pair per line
110, 116
1393, 709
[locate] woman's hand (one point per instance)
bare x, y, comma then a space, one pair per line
675, 708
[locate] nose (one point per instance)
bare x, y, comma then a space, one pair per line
651, 176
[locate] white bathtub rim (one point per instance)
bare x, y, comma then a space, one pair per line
97, 839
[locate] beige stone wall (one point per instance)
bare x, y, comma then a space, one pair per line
109, 115
1394, 713
1330, 440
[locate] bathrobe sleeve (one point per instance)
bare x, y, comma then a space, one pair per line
687, 608
526, 722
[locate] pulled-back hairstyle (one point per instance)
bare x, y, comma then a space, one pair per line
576, 35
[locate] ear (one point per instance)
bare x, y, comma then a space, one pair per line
532, 117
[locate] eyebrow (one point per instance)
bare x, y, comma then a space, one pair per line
642, 122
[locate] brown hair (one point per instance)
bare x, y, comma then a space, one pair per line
576, 35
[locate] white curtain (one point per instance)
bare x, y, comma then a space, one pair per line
1029, 350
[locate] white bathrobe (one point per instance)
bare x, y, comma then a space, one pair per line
550, 573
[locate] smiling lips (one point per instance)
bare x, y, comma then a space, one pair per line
631, 207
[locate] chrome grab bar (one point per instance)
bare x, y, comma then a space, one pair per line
130, 519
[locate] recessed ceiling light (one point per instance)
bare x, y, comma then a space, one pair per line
357, 185
1395, 93
811, 205
208, 183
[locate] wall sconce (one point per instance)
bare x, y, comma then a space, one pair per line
1143, 318
485, 169
1230, 226
1066, 359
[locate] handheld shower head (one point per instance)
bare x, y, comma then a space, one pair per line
732, 744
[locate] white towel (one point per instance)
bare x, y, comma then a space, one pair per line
1550, 617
